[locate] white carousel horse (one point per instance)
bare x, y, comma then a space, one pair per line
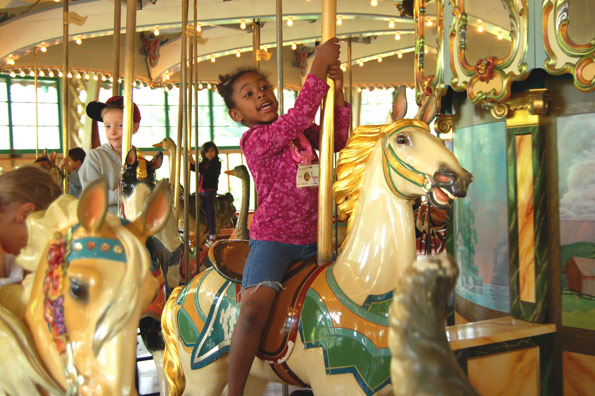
70, 328
336, 326
422, 361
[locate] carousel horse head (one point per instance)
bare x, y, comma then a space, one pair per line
414, 162
48, 162
90, 282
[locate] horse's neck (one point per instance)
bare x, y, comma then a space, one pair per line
381, 242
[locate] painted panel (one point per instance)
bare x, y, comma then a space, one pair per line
480, 229
578, 372
525, 213
510, 373
576, 181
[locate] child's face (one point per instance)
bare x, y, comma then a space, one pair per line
113, 120
254, 99
210, 153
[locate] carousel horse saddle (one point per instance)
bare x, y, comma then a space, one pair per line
228, 259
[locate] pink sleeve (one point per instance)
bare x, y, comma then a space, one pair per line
266, 140
342, 120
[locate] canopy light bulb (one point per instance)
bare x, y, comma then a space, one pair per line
156, 31
78, 40
10, 61
359, 89
103, 78
209, 85
12, 74
213, 59
32, 73
243, 24
294, 46
198, 28
429, 23
290, 21
43, 48
399, 55
41, 73
199, 85
69, 75
60, 74
480, 28
95, 78
397, 36
361, 63
22, 73
391, 23
339, 20
499, 36
379, 59
238, 54
373, 3
87, 76
51, 73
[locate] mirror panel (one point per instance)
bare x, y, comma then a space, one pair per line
488, 48
569, 39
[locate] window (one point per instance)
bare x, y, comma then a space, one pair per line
376, 105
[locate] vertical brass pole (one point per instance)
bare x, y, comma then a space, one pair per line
65, 91
349, 73
128, 77
183, 128
116, 47
196, 141
279, 26
325, 203
35, 84
256, 43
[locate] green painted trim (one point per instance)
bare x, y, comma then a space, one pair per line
9, 104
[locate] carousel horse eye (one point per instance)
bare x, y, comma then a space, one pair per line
78, 289
402, 139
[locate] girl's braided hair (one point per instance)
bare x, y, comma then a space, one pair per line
225, 85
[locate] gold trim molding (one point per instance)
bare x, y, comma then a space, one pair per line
523, 109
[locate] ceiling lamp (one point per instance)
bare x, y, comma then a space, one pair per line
499, 36
12, 74
209, 85
78, 40
41, 73
60, 74
339, 20
199, 85
238, 54
51, 73
10, 61
397, 36
373, 3
290, 21
429, 23
243, 24
198, 27
294, 46
43, 48
379, 59
360, 63
391, 23
400, 54
480, 29
69, 75
95, 77
31, 73
156, 31
22, 73
343, 67
213, 59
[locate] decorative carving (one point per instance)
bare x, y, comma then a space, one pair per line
443, 126
488, 80
527, 108
565, 54
432, 84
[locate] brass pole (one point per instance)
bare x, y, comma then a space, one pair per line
325, 202
256, 43
65, 91
35, 84
350, 73
116, 45
279, 29
183, 133
128, 77
196, 141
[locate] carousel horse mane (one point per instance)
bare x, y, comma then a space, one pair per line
52, 239
417, 331
351, 167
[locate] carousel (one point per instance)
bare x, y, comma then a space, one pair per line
451, 259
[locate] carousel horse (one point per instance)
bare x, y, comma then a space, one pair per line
70, 327
165, 248
328, 327
422, 362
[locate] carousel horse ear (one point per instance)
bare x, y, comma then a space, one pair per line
53, 157
400, 103
155, 213
157, 161
44, 153
131, 158
92, 206
428, 110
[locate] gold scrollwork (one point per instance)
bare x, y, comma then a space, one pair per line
523, 109
565, 53
428, 84
500, 27
443, 126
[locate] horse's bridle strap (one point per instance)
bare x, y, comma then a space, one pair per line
97, 248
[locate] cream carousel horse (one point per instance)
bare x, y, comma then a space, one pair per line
70, 328
334, 325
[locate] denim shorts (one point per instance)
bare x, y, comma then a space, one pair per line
268, 260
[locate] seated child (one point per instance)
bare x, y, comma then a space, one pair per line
22, 191
106, 160
72, 164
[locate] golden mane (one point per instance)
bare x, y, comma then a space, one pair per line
351, 167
